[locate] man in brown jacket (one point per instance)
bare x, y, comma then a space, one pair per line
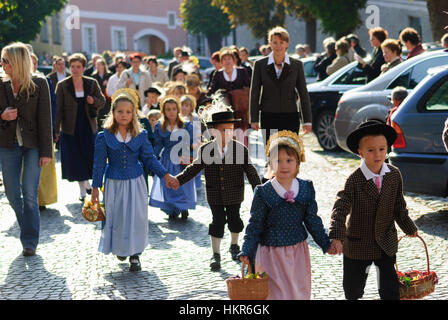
365, 212
225, 161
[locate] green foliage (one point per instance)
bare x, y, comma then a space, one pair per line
199, 16
259, 15
21, 20
338, 17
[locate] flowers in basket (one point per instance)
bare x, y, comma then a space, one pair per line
93, 212
407, 278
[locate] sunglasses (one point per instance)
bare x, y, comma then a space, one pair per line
4, 61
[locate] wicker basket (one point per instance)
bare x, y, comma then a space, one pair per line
417, 289
247, 289
95, 215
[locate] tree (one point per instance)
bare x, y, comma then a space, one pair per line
437, 17
259, 15
199, 16
22, 20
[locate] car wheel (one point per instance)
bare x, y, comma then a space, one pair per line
325, 131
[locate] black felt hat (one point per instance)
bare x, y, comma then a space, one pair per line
223, 117
370, 127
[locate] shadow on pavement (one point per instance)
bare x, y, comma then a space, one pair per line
51, 223
189, 230
435, 223
28, 279
133, 285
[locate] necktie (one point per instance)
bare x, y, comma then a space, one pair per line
377, 182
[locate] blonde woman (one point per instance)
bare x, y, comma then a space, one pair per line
173, 140
119, 151
25, 138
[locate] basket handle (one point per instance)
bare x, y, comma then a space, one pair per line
426, 251
242, 269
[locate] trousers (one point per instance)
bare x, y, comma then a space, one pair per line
223, 214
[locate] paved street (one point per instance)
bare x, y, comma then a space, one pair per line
176, 263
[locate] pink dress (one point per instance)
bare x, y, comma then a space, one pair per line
288, 269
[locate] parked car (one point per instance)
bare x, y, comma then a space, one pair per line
419, 151
372, 101
46, 70
324, 96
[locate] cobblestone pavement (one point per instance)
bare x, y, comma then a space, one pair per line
176, 263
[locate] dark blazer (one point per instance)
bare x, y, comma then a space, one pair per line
68, 107
269, 94
224, 182
54, 78
219, 82
373, 69
371, 216
33, 116
390, 65
100, 80
320, 66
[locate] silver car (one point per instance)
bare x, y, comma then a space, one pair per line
372, 101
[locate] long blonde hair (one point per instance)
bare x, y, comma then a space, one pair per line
111, 124
19, 58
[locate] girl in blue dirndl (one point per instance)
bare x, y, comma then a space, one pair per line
118, 152
173, 138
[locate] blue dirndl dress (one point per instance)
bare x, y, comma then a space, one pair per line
170, 201
77, 151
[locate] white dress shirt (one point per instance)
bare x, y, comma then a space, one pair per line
278, 70
281, 190
370, 175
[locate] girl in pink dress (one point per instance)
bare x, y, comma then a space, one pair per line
283, 210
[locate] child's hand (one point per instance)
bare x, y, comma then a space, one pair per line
95, 195
415, 234
336, 247
244, 259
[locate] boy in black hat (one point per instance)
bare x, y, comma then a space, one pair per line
372, 201
225, 161
152, 95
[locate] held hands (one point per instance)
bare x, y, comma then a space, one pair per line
335, 248
171, 182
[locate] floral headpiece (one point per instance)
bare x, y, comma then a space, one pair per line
127, 93
288, 138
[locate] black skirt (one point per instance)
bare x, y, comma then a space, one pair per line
279, 121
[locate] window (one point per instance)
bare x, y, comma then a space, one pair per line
171, 20
89, 44
439, 99
118, 38
56, 29
308, 69
411, 77
353, 76
44, 33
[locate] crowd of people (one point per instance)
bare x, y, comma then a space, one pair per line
117, 124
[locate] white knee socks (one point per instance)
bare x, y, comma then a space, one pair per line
216, 244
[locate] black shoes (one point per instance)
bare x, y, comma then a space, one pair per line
215, 264
135, 263
121, 258
82, 199
42, 208
89, 191
184, 215
234, 251
27, 252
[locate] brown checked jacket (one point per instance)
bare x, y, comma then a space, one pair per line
365, 220
224, 178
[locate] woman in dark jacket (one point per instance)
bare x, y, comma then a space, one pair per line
373, 69
102, 75
25, 139
79, 99
321, 64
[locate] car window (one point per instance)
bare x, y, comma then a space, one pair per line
412, 77
308, 69
439, 99
354, 76
421, 70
